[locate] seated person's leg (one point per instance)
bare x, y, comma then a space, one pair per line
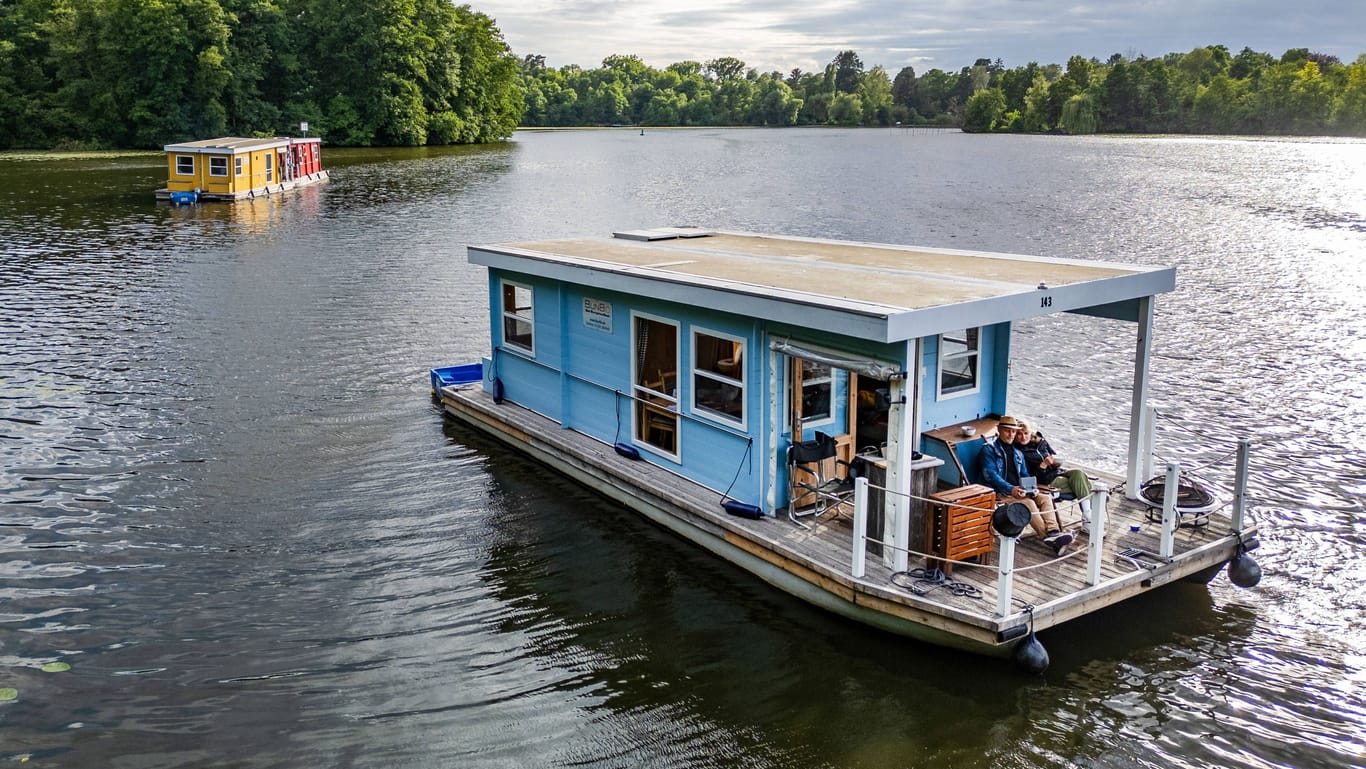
1036, 521
1051, 520
1078, 483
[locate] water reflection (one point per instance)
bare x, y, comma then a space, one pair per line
226, 501
637, 614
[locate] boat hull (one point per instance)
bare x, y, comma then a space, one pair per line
266, 191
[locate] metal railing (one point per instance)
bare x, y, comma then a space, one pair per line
1005, 566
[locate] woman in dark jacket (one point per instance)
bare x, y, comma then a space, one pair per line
1042, 462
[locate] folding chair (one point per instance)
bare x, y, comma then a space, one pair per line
813, 470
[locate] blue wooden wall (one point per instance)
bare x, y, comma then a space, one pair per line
990, 398
580, 376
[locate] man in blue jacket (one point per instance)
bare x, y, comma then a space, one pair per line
1002, 465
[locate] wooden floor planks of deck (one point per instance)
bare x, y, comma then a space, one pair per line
824, 551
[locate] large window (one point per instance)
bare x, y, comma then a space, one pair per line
518, 320
218, 166
655, 382
959, 362
184, 165
718, 377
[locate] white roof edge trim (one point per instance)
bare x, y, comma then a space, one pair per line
931, 321
221, 150
1129, 266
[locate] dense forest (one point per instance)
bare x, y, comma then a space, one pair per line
142, 73
1207, 90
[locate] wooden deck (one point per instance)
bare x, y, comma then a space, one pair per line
820, 557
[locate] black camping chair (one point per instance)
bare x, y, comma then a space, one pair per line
813, 491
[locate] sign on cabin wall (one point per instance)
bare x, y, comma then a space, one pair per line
597, 314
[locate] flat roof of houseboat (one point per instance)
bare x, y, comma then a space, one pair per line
229, 144
867, 290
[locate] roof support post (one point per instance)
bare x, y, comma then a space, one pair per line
774, 384
1140, 447
897, 519
903, 420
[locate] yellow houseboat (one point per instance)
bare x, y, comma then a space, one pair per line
233, 168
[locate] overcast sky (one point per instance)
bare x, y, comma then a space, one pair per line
949, 34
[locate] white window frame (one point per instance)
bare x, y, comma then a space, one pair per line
270, 165
237, 165
976, 386
705, 413
180, 164
677, 456
221, 164
506, 315
829, 419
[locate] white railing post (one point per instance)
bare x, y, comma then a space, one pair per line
1149, 444
1005, 571
1240, 484
1169, 517
860, 527
1100, 493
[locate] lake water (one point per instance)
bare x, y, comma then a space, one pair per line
227, 501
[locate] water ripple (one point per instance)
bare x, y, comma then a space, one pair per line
226, 501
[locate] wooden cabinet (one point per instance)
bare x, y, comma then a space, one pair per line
960, 523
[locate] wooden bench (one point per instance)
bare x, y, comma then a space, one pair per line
962, 450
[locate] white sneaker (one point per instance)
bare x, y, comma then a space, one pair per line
1058, 541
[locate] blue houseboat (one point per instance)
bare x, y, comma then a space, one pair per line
812, 411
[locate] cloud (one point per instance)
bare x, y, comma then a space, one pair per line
949, 35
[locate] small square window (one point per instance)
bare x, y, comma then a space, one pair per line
518, 319
959, 358
719, 377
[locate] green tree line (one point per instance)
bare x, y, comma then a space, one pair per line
1208, 90
143, 73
